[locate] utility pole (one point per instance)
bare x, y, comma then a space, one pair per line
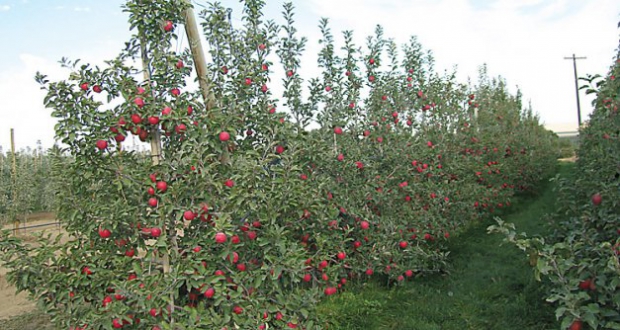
574, 58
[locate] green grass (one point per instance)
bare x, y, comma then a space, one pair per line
490, 285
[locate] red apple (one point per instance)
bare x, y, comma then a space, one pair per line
168, 26
189, 215
220, 238
153, 120
153, 312
101, 144
209, 293
162, 186
235, 257
117, 324
155, 232
136, 119
597, 199
86, 271
153, 202
585, 284
330, 291
224, 136
576, 325
104, 233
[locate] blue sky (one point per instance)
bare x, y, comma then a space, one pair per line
522, 40
54, 28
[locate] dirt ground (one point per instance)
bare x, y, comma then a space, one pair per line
11, 304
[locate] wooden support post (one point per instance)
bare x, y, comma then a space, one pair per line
200, 62
14, 181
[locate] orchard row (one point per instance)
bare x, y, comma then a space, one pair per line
25, 187
581, 258
251, 209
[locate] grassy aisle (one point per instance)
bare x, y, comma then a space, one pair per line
490, 285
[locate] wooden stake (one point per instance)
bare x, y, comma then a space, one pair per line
14, 179
200, 62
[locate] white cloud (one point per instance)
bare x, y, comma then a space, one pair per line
5, 8
21, 98
516, 39
523, 41
21, 101
82, 9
